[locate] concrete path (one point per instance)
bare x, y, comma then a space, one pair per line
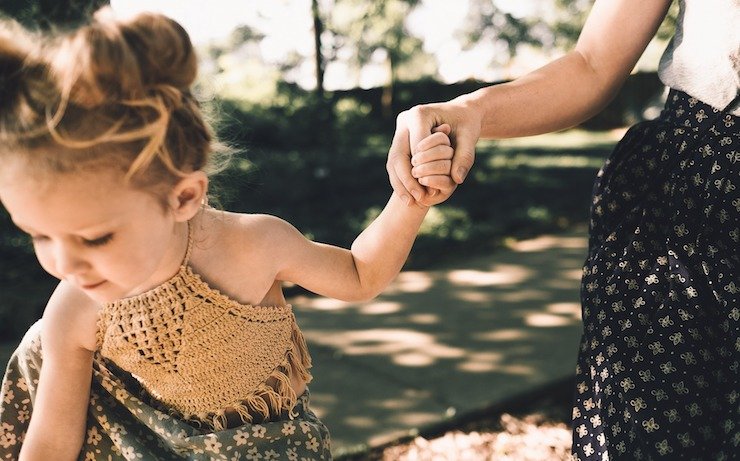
445, 341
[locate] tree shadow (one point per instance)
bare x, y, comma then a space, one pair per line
445, 341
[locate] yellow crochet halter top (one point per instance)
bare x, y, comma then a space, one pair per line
203, 355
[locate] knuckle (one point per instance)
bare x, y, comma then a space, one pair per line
414, 111
401, 117
420, 111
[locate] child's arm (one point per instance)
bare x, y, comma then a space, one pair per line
375, 257
359, 274
58, 420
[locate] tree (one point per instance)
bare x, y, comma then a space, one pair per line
556, 28
376, 29
487, 22
318, 30
571, 15
47, 14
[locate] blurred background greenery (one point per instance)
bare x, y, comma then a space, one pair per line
315, 156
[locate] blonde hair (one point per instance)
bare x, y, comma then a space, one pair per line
113, 92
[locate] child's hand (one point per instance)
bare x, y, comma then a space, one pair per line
432, 165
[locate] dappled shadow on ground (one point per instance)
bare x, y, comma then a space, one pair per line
437, 342
445, 341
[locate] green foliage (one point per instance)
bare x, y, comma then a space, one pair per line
47, 14
296, 120
558, 28
371, 26
488, 22
446, 222
25, 287
668, 27
571, 15
320, 164
570, 18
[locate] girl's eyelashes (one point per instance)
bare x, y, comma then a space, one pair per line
35, 239
99, 241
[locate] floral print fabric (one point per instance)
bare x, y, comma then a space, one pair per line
121, 425
657, 375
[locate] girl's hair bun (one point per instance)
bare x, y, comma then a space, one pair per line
111, 60
112, 91
164, 50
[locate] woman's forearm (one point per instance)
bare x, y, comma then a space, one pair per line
559, 95
577, 86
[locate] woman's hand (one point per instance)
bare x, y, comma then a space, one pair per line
460, 121
559, 95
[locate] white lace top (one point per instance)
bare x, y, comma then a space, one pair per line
703, 58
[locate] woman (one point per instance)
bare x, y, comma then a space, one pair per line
657, 373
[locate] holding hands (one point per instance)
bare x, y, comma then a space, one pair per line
432, 151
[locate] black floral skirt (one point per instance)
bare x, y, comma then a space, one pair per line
657, 374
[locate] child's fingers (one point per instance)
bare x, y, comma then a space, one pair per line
443, 183
437, 167
433, 154
434, 139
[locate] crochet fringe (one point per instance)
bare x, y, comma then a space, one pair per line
268, 400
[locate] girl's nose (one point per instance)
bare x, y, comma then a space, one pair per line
68, 261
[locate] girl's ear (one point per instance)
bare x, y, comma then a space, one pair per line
188, 195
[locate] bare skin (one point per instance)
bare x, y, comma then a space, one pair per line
556, 96
105, 240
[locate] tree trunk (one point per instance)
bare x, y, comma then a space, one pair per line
318, 29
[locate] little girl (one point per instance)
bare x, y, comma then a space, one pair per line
168, 336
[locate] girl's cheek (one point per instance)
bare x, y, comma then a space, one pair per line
46, 261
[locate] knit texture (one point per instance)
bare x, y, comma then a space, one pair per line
201, 353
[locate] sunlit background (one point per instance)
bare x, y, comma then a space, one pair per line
453, 45
488, 300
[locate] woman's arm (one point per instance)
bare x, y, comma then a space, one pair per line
575, 87
556, 96
59, 416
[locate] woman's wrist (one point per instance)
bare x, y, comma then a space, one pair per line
476, 106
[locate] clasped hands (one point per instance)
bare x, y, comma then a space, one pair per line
432, 151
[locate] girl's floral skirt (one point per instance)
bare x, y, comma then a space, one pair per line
121, 426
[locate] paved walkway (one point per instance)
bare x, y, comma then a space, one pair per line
445, 341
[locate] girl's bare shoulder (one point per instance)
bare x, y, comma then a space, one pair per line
239, 253
246, 230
